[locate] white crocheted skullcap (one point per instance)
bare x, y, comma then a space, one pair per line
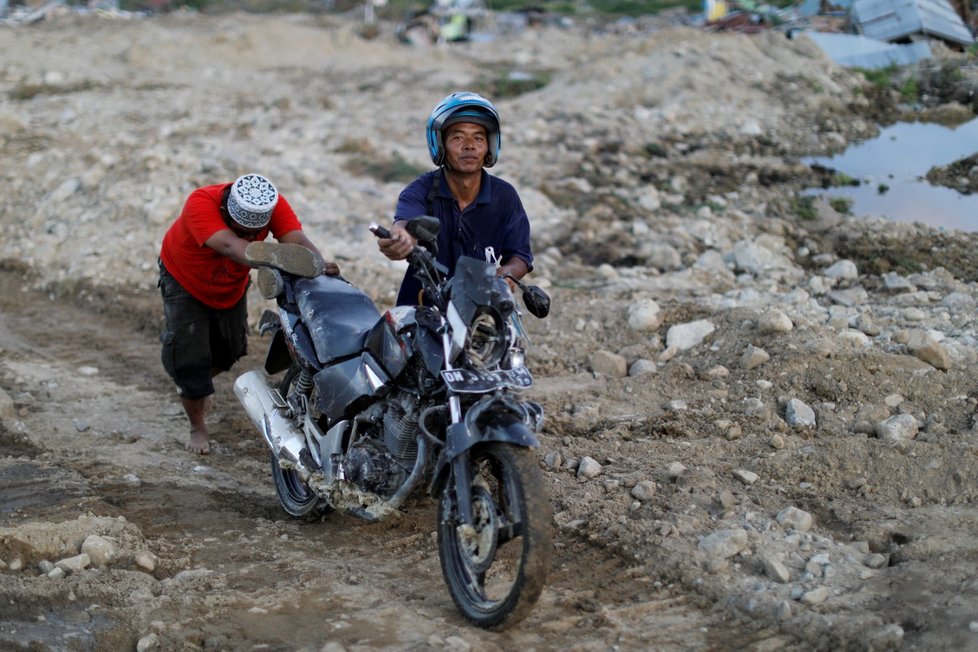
252, 200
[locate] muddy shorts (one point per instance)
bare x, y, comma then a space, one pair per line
199, 341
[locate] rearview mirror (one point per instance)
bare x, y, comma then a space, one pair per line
536, 301
425, 230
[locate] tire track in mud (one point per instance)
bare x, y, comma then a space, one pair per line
234, 571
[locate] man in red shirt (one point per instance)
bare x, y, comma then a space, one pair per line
204, 276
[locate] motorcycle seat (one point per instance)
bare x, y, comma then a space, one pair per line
338, 316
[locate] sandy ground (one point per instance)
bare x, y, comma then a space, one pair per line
780, 409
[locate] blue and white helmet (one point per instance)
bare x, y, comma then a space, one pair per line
464, 107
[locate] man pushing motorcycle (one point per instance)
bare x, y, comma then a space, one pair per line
204, 275
481, 215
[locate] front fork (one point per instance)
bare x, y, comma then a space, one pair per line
461, 469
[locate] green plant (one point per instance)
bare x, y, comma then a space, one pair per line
843, 179
804, 207
910, 92
882, 189
28, 91
387, 171
841, 204
511, 84
879, 77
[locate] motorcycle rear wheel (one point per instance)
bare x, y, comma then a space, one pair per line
295, 496
496, 574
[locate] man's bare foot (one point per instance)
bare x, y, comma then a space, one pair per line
199, 442
196, 410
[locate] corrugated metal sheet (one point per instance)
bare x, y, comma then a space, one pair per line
891, 20
857, 51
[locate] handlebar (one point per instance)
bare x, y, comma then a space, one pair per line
427, 270
380, 231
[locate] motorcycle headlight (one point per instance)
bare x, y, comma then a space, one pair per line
515, 358
486, 343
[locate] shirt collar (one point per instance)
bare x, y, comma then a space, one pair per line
485, 193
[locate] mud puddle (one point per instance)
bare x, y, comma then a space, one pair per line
891, 170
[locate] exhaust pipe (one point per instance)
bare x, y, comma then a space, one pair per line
286, 441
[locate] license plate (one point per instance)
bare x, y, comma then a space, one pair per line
468, 381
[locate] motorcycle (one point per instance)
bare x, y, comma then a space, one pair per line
373, 407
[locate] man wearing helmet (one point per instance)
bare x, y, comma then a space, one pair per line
481, 215
204, 276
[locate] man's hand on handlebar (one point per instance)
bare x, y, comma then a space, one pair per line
399, 245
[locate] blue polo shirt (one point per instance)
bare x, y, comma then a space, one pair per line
495, 219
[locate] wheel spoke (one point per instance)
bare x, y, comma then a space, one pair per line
497, 573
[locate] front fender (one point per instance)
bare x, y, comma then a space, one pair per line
493, 418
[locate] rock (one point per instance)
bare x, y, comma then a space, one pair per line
588, 468
893, 281
796, 413
867, 417
99, 550
644, 491
644, 315
774, 321
926, 348
760, 255
724, 501
74, 564
850, 297
745, 476
7, 409
867, 325
898, 430
875, 560
796, 519
148, 643
753, 357
842, 270
686, 336
889, 637
755, 407
642, 367
723, 544
145, 560
815, 596
609, 364
659, 255
775, 569
674, 470
67, 188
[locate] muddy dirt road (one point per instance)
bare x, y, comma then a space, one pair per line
97, 447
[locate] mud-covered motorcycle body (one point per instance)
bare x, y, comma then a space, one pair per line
375, 406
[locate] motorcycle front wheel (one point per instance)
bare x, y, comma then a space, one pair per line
295, 496
496, 570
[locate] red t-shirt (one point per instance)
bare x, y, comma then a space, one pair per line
210, 277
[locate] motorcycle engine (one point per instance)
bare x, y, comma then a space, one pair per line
401, 427
382, 463
371, 469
